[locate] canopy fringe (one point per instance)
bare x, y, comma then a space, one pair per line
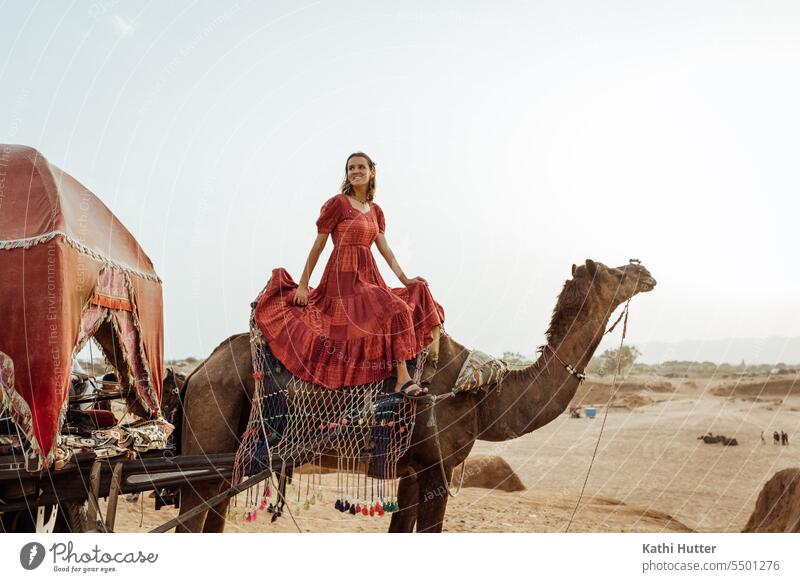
27, 243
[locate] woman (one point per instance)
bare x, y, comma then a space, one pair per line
352, 329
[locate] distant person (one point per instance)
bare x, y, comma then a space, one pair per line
784, 438
776, 438
763, 440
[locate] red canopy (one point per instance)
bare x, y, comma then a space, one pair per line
69, 270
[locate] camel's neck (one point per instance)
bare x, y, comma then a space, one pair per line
530, 398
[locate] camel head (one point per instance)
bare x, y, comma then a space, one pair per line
595, 291
612, 286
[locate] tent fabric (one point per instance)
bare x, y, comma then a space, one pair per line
62, 254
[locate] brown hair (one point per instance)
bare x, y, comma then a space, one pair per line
347, 187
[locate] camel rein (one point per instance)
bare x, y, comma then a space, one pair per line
432, 423
605, 414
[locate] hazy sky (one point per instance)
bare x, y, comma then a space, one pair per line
512, 140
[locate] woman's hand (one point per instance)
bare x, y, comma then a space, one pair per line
301, 296
413, 280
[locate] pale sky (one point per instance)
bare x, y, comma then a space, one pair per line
512, 140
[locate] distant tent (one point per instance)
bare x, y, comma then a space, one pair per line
69, 270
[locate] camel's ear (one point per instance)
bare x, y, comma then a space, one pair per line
574, 268
591, 266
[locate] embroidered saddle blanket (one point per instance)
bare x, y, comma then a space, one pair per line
480, 370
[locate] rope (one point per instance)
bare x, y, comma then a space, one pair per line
285, 505
433, 423
605, 415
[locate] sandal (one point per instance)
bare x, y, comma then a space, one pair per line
419, 391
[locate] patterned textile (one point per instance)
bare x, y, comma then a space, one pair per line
481, 370
56, 237
365, 428
113, 289
354, 327
127, 439
102, 446
145, 435
6, 376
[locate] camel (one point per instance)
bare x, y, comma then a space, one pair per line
218, 392
711, 439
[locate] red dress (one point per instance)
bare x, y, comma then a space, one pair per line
354, 327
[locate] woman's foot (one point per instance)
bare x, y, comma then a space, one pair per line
412, 389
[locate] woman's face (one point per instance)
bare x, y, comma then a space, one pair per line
358, 172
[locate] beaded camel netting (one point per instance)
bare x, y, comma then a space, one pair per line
361, 432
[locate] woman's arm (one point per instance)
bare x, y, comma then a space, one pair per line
301, 296
391, 260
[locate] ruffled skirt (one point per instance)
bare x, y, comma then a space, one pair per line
354, 329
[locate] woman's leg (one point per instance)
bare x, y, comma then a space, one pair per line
403, 377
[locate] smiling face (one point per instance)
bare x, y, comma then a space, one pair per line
359, 171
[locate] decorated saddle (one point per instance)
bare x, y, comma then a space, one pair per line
480, 371
361, 432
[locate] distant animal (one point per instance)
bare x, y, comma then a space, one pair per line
712, 439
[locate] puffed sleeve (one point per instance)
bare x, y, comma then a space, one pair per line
329, 216
381, 219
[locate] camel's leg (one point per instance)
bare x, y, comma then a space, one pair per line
403, 521
191, 497
433, 499
215, 519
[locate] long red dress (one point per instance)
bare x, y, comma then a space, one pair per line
354, 327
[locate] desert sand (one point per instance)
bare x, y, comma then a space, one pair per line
651, 473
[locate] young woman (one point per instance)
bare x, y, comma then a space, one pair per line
352, 329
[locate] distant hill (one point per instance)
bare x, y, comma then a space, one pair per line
771, 350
